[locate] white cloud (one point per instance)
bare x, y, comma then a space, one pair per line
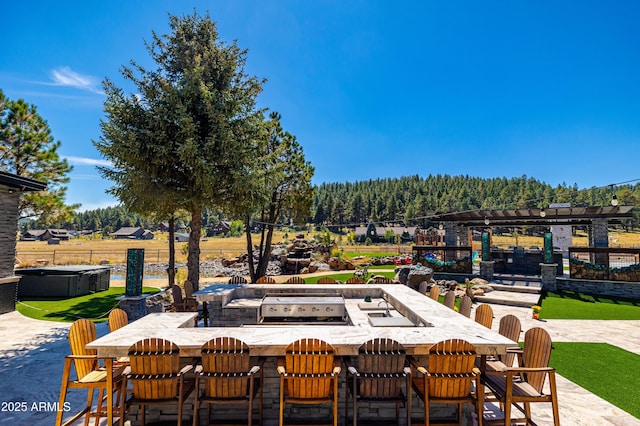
65, 76
82, 161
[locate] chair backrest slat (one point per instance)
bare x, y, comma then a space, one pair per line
312, 357
536, 354
465, 306
117, 319
155, 364
451, 363
237, 280
484, 315
450, 299
381, 364
81, 333
510, 328
434, 292
227, 361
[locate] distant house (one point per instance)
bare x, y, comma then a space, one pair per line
48, 234
134, 233
405, 233
164, 226
223, 227
181, 238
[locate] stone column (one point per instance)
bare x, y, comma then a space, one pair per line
450, 240
599, 238
548, 276
486, 269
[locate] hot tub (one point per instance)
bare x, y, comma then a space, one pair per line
62, 281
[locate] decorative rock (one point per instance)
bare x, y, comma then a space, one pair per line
418, 275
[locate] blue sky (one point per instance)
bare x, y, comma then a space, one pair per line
370, 88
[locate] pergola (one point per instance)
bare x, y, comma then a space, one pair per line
536, 217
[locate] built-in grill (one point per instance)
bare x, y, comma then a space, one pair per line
303, 309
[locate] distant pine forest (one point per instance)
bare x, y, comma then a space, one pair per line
408, 201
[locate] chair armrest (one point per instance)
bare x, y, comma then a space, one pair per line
254, 370
198, 369
336, 370
352, 370
423, 370
83, 357
407, 371
185, 369
281, 370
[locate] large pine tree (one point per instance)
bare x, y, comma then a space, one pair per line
185, 139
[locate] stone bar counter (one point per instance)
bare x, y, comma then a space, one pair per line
235, 313
435, 322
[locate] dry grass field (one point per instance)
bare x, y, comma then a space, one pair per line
87, 251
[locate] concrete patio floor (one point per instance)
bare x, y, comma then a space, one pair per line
31, 354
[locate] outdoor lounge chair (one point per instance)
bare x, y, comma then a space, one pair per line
355, 280
229, 377
117, 319
434, 292
378, 377
465, 306
523, 385
265, 280
295, 280
237, 280
309, 374
156, 377
449, 299
448, 377
89, 374
327, 280
484, 315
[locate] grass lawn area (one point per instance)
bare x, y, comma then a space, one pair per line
367, 254
605, 370
571, 305
95, 306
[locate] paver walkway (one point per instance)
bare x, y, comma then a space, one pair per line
31, 353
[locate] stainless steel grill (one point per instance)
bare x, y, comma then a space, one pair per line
303, 308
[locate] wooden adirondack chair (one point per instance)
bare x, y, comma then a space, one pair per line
513, 386
510, 328
449, 299
89, 374
378, 377
117, 319
484, 315
327, 280
156, 377
434, 292
228, 376
465, 306
237, 280
355, 280
265, 280
309, 374
448, 377
295, 280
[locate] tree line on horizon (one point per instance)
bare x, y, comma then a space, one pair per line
407, 200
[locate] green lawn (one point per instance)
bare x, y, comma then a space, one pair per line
605, 370
571, 305
342, 277
93, 306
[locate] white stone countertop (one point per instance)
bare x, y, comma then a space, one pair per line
272, 340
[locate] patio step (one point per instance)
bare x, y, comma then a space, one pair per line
516, 288
510, 298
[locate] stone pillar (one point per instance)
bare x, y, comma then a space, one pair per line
599, 238
548, 276
464, 238
450, 240
486, 269
138, 306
